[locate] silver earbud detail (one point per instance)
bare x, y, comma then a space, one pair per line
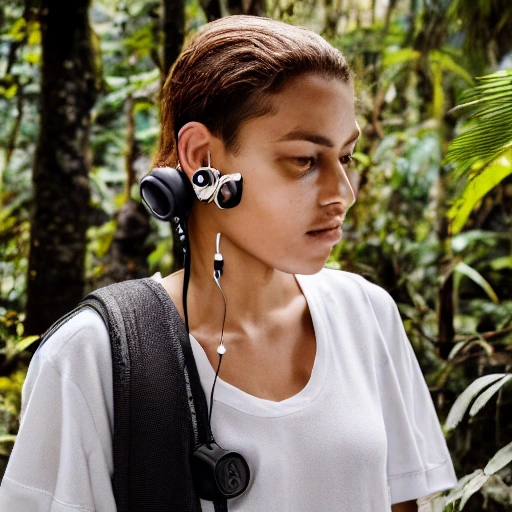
207, 183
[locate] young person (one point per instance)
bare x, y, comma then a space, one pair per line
319, 388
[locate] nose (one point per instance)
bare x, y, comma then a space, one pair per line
336, 187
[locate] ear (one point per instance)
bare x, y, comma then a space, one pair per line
194, 141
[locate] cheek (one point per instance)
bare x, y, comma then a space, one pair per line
282, 206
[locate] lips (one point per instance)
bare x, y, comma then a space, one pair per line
330, 227
328, 232
325, 236
328, 224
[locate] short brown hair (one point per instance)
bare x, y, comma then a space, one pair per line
229, 70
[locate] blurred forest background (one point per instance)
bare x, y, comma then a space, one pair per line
79, 106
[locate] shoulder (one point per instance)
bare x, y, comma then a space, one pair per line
358, 301
76, 358
346, 286
81, 340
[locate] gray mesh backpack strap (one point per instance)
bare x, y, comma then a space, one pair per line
154, 430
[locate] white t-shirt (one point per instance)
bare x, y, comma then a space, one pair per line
361, 435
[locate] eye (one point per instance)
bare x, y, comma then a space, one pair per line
346, 160
305, 164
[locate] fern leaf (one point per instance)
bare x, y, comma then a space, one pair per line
500, 460
462, 403
488, 129
482, 400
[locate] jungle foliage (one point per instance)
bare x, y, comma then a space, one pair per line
432, 223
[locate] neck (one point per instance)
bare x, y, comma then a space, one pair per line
255, 293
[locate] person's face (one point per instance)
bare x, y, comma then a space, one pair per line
296, 191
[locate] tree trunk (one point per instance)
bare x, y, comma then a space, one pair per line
412, 16
212, 9
251, 7
174, 31
58, 231
432, 36
387, 20
332, 17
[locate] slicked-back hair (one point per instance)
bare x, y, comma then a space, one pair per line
230, 69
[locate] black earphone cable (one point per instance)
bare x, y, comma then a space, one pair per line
220, 505
186, 280
186, 277
213, 390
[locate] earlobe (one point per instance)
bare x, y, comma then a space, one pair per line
193, 145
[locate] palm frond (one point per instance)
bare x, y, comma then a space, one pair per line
488, 129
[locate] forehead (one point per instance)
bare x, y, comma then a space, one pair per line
308, 104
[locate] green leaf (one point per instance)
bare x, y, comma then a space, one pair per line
10, 92
25, 343
462, 403
463, 240
500, 460
482, 400
456, 493
362, 158
448, 64
464, 346
456, 349
488, 127
400, 56
34, 33
32, 56
7, 438
501, 263
476, 189
471, 488
101, 237
438, 91
18, 30
476, 277
116, 81
161, 252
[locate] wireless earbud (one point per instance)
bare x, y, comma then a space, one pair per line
210, 185
204, 183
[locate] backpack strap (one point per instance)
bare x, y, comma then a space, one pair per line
160, 410
154, 430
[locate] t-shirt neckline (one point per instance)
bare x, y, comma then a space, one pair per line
242, 401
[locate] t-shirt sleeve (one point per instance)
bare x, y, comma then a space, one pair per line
62, 459
418, 461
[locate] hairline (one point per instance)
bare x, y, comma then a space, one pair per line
233, 146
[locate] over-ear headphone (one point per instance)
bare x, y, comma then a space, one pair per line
168, 193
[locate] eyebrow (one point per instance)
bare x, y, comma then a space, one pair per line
318, 139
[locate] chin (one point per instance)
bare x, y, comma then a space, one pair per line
304, 268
